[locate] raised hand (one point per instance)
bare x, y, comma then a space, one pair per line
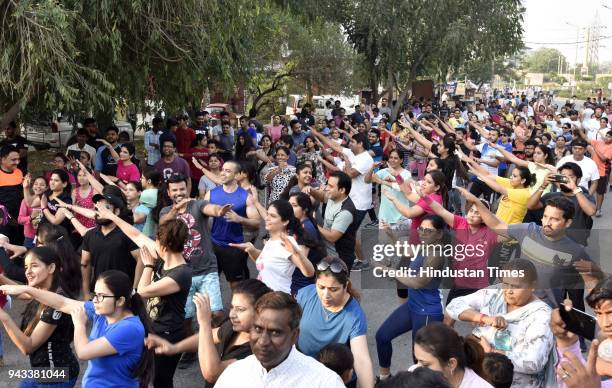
203, 311
78, 315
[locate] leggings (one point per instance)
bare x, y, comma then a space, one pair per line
402, 320
165, 366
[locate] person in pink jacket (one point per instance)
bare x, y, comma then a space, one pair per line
30, 212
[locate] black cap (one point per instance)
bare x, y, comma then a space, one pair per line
117, 202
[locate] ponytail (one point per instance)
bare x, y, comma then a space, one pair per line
119, 284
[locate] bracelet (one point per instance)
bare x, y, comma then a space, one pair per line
481, 319
149, 266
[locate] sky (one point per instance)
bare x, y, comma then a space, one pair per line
545, 25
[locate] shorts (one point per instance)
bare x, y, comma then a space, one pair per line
205, 283
602, 184
232, 262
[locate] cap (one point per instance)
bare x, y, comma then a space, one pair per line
117, 202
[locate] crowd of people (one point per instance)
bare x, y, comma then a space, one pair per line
137, 247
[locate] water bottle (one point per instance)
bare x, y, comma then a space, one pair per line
503, 340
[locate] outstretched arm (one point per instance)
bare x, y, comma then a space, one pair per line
490, 219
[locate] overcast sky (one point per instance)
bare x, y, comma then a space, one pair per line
545, 25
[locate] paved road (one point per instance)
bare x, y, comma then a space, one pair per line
378, 304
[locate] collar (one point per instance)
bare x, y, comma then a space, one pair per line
281, 369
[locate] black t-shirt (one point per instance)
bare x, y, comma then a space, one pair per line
449, 165
56, 351
168, 312
53, 207
113, 251
109, 164
20, 143
225, 350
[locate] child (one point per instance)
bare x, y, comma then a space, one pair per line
338, 357
30, 212
498, 370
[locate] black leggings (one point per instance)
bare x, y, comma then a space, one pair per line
165, 366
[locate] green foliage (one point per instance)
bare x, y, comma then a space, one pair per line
544, 60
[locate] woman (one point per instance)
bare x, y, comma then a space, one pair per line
302, 178
424, 303
311, 152
60, 162
439, 347
303, 210
150, 181
133, 192
30, 213
281, 254
199, 151
514, 190
220, 346
127, 171
571, 369
245, 149
115, 347
513, 321
212, 174
59, 188
273, 131
331, 314
165, 282
83, 196
560, 149
44, 334
543, 163
277, 176
390, 178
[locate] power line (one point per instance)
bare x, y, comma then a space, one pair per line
582, 41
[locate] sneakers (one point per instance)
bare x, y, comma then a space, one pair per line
598, 213
359, 265
371, 225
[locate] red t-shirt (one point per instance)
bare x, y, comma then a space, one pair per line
199, 153
184, 139
416, 221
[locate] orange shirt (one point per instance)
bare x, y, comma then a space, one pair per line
606, 150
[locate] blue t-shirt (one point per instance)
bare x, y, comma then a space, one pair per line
224, 232
142, 209
508, 147
298, 280
127, 337
428, 299
320, 327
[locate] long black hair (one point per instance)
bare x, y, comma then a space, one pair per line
440, 180
120, 285
314, 243
56, 238
294, 179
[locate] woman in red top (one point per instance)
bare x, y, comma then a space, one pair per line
199, 151
127, 171
82, 196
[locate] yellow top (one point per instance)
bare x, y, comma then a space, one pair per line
513, 206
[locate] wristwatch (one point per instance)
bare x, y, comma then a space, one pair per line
577, 190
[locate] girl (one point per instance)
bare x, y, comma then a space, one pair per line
218, 347
245, 149
132, 192
30, 214
303, 210
424, 303
199, 152
211, 177
281, 254
44, 334
150, 181
115, 347
59, 188
82, 196
165, 282
127, 171
311, 152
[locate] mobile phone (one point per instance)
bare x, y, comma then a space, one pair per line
578, 322
558, 178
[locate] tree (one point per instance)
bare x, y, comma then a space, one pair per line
67, 55
544, 60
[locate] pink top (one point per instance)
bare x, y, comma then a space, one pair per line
23, 218
474, 254
275, 132
127, 173
85, 202
416, 221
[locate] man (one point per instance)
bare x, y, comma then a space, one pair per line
562, 264
593, 124
228, 229
169, 133
225, 140
275, 361
306, 118
105, 163
185, 136
74, 151
11, 192
590, 173
12, 138
151, 141
487, 160
481, 113
384, 108
360, 114
201, 123
426, 114
356, 162
171, 164
198, 251
106, 247
248, 128
456, 121
298, 134
93, 134
584, 203
376, 116
224, 117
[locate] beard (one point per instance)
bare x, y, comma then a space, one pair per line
103, 221
565, 189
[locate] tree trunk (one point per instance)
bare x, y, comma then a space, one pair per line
400, 100
11, 114
309, 90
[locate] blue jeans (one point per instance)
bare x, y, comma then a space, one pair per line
35, 384
402, 320
209, 284
28, 242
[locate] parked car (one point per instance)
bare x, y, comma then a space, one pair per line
215, 110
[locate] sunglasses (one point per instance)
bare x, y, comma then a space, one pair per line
334, 266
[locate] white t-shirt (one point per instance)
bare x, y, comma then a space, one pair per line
275, 266
472, 380
482, 115
588, 167
490, 154
361, 192
591, 127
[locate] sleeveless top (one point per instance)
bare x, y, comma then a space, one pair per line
86, 202
222, 231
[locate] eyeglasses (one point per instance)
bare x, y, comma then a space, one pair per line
334, 266
99, 298
421, 229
